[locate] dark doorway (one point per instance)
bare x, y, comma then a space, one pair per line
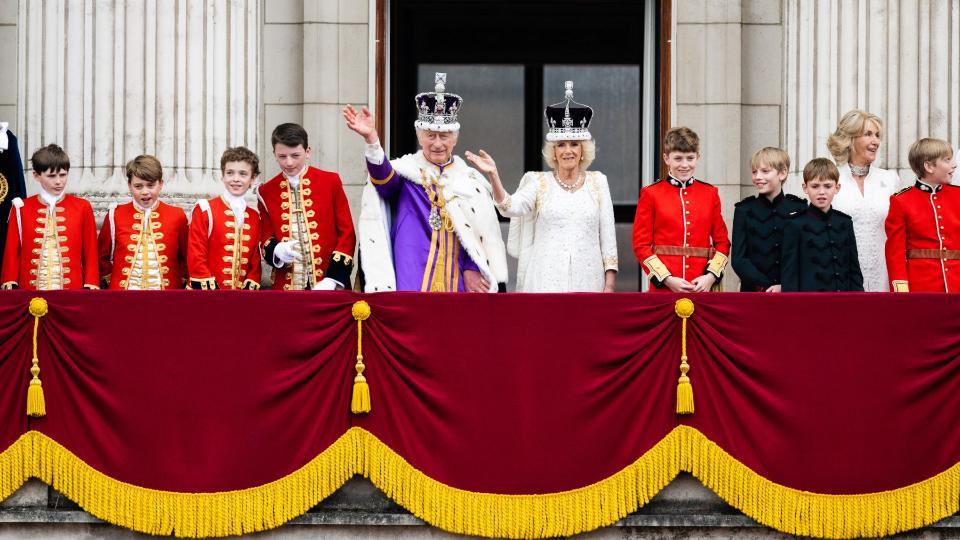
509, 59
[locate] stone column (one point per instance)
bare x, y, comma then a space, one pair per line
110, 80
708, 92
317, 60
895, 59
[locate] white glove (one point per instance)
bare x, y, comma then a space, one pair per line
285, 253
327, 284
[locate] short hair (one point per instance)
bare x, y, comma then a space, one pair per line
145, 167
241, 153
771, 156
289, 134
927, 150
588, 150
821, 168
50, 158
681, 139
850, 126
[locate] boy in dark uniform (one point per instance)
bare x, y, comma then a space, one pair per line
758, 223
819, 249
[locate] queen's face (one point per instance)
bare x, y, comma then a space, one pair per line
568, 154
863, 151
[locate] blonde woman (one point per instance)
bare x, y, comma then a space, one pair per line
866, 191
562, 227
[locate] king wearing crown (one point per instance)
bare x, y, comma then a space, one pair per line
427, 220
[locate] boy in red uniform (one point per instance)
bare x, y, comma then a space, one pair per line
305, 224
923, 224
143, 243
224, 248
678, 234
52, 236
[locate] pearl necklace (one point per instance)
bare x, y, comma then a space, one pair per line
570, 187
857, 170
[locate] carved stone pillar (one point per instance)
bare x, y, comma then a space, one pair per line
110, 79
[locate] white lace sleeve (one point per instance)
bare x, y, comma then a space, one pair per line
608, 230
523, 201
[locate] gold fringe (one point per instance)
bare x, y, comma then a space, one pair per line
12, 472
816, 514
190, 515
518, 516
485, 514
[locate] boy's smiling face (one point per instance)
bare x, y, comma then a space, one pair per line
53, 182
237, 177
939, 171
768, 180
681, 164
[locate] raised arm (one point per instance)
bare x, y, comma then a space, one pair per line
382, 175
520, 203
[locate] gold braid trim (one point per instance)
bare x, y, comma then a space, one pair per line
901, 285
484, 514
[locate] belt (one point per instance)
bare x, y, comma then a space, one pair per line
680, 251
933, 254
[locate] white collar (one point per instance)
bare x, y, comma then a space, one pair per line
50, 199
236, 202
139, 208
295, 180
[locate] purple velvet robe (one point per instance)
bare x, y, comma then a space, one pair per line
410, 232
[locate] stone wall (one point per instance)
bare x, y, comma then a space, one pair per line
684, 509
755, 73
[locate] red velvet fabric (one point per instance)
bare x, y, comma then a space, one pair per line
520, 393
197, 392
836, 393
16, 332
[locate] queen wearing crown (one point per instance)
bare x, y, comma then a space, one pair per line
562, 227
427, 220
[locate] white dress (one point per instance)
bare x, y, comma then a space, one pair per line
869, 212
564, 242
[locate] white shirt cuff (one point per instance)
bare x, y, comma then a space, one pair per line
374, 153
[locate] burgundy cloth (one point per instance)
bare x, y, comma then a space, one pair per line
836, 393
16, 350
194, 392
520, 393
199, 392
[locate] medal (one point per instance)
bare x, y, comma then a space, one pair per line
434, 219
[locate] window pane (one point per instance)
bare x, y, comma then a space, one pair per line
613, 91
492, 113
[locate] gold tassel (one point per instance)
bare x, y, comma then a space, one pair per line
360, 402
36, 405
684, 309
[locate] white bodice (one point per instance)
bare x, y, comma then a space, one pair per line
573, 240
869, 212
